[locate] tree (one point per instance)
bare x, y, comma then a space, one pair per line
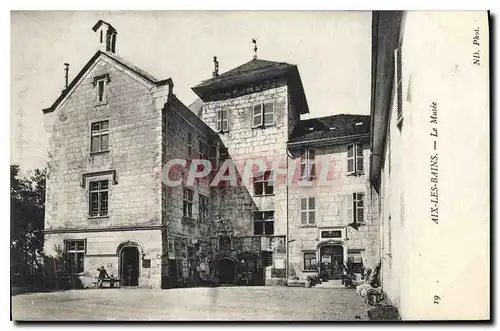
27, 200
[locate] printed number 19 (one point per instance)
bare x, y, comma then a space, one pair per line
437, 299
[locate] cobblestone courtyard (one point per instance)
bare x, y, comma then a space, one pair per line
223, 303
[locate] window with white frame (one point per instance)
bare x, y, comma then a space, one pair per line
98, 198
189, 145
262, 184
263, 222
222, 120
188, 201
356, 208
99, 137
263, 114
74, 252
203, 208
308, 164
355, 158
307, 211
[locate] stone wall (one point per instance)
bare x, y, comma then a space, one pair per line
246, 143
102, 250
134, 153
132, 165
330, 209
183, 233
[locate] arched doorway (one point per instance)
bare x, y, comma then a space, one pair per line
129, 265
331, 259
226, 271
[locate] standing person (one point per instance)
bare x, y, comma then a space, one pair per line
102, 274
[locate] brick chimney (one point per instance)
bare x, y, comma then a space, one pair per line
107, 36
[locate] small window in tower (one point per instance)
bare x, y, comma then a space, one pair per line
101, 36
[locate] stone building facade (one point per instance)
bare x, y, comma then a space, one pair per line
332, 217
253, 108
106, 204
113, 134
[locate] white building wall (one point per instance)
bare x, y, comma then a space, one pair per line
430, 259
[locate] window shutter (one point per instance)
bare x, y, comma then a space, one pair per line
219, 120
339, 208
349, 208
359, 158
350, 158
268, 113
257, 115
225, 125
398, 81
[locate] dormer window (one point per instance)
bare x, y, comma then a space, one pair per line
100, 83
263, 114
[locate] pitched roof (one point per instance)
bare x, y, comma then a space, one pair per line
253, 71
330, 127
196, 107
130, 66
253, 68
101, 22
190, 116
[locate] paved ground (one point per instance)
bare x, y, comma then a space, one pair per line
223, 303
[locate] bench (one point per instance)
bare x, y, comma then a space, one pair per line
111, 280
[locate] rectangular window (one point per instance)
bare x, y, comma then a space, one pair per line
355, 158
222, 120
263, 222
189, 145
307, 211
101, 90
358, 207
263, 114
188, 200
98, 197
99, 137
202, 150
310, 263
74, 251
213, 155
308, 164
203, 208
262, 184
223, 155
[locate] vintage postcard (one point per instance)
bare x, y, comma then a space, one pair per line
250, 165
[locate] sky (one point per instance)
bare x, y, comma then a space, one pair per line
332, 50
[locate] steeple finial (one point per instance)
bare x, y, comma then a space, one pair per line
254, 41
216, 67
